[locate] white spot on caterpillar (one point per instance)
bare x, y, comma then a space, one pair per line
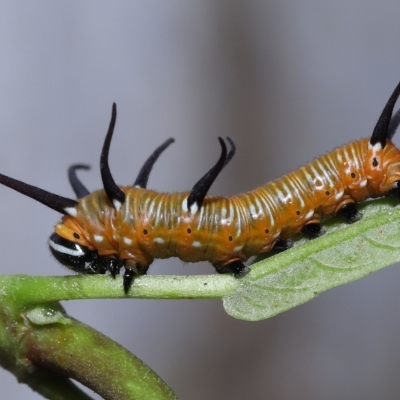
338, 195
318, 179
151, 207
346, 155
259, 206
281, 196
127, 214
200, 218
287, 190
253, 211
127, 241
238, 248
309, 214
117, 204
71, 211
84, 205
376, 147
363, 183
309, 178
224, 222
158, 212
194, 208
146, 203
223, 212
158, 240
264, 200
98, 238
355, 158
296, 187
184, 205
271, 220
196, 244
231, 214
326, 174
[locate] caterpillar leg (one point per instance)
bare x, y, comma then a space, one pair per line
396, 191
129, 274
313, 230
283, 244
113, 265
132, 269
235, 267
349, 213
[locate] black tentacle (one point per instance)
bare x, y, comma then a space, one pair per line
200, 189
143, 176
380, 133
77, 186
58, 203
394, 124
114, 193
232, 151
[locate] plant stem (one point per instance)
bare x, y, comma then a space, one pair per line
41, 289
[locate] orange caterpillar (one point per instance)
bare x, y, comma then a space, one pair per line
129, 226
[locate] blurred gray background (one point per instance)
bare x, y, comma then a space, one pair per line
287, 81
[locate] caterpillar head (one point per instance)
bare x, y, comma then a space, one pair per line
382, 164
65, 247
67, 243
75, 256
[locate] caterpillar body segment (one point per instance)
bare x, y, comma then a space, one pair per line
129, 226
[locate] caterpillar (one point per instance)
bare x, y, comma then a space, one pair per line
128, 226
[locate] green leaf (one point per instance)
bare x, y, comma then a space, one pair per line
344, 254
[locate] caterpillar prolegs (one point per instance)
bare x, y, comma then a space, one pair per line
128, 226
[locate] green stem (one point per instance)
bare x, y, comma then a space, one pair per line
43, 347
37, 339
53, 386
41, 289
80, 352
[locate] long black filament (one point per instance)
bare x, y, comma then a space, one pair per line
114, 193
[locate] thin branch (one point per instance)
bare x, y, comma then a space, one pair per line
41, 289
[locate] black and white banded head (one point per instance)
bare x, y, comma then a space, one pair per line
76, 257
